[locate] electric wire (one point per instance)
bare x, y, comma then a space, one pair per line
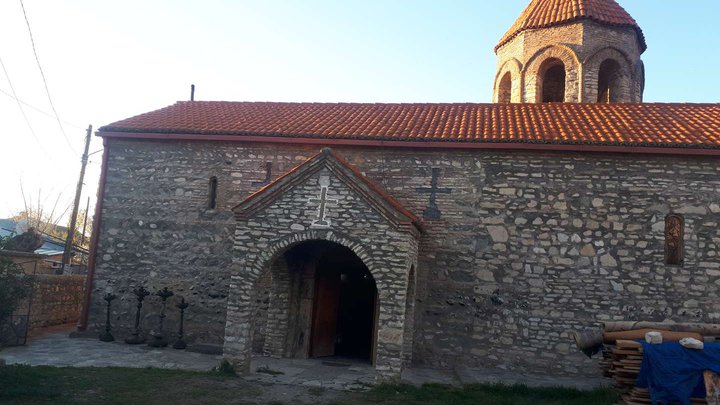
22, 110
47, 90
68, 123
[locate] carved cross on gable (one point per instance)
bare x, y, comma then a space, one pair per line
432, 211
323, 201
268, 176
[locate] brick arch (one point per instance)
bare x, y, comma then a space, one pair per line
591, 72
532, 70
514, 67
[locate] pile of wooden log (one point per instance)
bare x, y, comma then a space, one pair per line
622, 354
625, 358
623, 366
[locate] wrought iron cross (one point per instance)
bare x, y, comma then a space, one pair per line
432, 211
268, 176
323, 201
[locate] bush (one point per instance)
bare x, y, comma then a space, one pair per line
226, 368
15, 286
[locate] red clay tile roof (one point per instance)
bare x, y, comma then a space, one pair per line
549, 13
645, 124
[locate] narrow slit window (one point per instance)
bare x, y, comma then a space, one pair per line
674, 237
212, 193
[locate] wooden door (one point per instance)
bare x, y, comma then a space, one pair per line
327, 294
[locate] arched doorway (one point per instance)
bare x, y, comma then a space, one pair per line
345, 302
323, 302
279, 231
609, 78
552, 81
505, 89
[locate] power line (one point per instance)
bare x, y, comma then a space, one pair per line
47, 90
22, 110
38, 109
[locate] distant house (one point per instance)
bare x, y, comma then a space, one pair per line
52, 250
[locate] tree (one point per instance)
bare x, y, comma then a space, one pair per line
44, 215
15, 286
36, 214
84, 223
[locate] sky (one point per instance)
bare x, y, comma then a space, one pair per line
108, 60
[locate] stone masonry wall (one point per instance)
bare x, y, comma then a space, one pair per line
56, 300
157, 231
529, 246
261, 304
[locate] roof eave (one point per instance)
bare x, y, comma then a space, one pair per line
450, 145
509, 37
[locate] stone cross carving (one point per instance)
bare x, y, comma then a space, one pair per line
268, 176
323, 201
432, 211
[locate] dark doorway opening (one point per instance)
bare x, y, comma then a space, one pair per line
344, 306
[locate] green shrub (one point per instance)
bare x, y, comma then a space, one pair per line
226, 368
15, 286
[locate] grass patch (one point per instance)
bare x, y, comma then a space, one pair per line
36, 385
437, 394
41, 385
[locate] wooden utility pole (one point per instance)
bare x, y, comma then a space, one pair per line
67, 255
85, 221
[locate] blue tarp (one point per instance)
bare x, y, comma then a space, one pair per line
673, 373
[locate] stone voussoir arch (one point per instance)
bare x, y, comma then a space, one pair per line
591, 71
248, 267
573, 70
514, 67
282, 245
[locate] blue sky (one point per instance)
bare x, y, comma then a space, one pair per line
386, 50
106, 61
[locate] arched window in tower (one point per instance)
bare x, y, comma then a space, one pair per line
674, 236
212, 193
552, 81
609, 79
505, 89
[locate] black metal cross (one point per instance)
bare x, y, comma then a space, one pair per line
268, 176
323, 202
432, 211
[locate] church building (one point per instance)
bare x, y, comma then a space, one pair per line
441, 235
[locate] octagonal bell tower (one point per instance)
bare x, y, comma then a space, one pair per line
571, 51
